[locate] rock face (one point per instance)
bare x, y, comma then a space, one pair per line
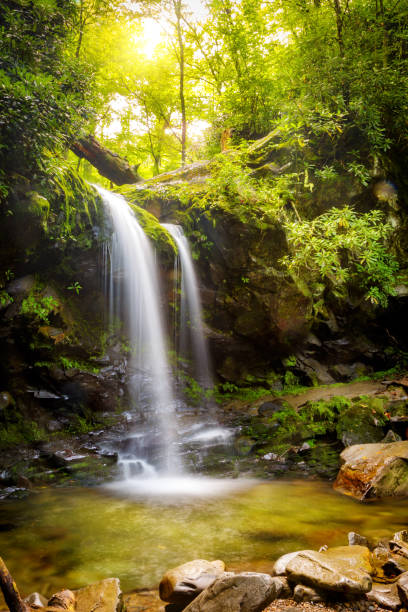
183, 583
374, 470
104, 596
333, 570
245, 592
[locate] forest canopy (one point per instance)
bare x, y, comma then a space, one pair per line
162, 82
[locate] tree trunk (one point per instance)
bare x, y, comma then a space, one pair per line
109, 164
10, 591
177, 10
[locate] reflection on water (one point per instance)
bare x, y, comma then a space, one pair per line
71, 537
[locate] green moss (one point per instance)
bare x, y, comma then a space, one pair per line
156, 232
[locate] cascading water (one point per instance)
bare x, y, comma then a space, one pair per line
138, 299
192, 341
149, 458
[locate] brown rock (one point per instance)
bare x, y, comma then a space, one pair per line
402, 586
279, 569
103, 596
329, 572
245, 592
374, 470
183, 583
64, 599
386, 595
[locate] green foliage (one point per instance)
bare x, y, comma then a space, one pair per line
39, 307
75, 286
232, 188
345, 250
5, 298
44, 92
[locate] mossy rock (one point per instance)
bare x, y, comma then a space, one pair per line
362, 423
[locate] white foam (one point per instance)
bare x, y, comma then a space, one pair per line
171, 488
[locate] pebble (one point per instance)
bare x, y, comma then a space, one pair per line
289, 605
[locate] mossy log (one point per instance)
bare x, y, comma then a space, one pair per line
109, 164
10, 591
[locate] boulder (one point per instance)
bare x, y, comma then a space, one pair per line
338, 571
279, 569
36, 600
374, 470
385, 595
103, 596
182, 584
245, 592
402, 586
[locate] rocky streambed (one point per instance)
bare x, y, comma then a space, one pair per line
364, 575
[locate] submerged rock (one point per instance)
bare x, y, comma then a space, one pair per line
182, 584
374, 470
245, 592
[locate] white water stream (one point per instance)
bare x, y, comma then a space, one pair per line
192, 339
149, 458
132, 258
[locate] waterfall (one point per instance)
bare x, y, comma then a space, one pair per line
137, 298
192, 339
149, 457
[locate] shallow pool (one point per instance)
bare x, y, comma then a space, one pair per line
70, 537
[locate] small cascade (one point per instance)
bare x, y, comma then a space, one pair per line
192, 341
135, 297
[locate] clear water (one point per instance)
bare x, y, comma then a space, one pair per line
72, 537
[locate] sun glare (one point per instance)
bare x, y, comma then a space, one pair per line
152, 35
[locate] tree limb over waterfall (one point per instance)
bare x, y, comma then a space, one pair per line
109, 164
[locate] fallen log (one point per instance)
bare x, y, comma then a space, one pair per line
10, 591
109, 164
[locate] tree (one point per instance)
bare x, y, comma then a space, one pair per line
45, 95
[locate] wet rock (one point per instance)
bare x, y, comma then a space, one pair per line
104, 596
306, 593
331, 571
355, 539
36, 600
402, 586
279, 569
183, 583
386, 595
399, 545
64, 599
374, 470
21, 285
391, 436
245, 592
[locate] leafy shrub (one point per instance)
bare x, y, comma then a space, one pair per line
39, 307
343, 249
